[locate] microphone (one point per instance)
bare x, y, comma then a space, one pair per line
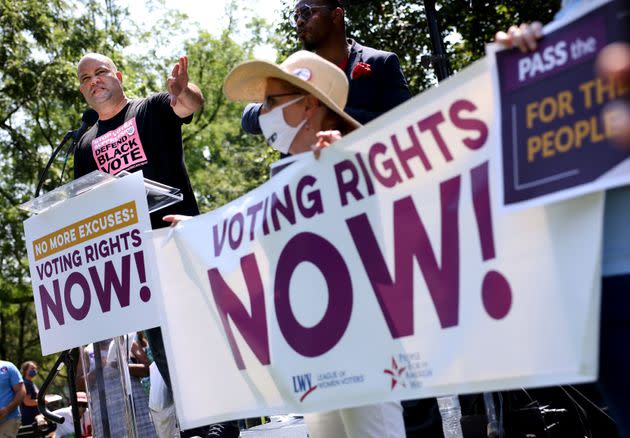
88, 118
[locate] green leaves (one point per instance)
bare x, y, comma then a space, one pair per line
401, 27
40, 43
223, 161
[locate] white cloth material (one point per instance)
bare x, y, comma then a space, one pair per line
381, 420
165, 422
159, 395
67, 427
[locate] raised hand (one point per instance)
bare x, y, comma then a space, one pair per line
178, 80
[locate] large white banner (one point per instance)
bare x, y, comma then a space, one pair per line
89, 264
380, 271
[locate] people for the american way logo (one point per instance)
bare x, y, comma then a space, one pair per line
396, 374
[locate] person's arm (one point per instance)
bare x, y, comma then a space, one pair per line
395, 88
186, 97
30, 397
138, 369
18, 395
249, 120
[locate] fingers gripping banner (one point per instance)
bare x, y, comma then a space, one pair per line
380, 271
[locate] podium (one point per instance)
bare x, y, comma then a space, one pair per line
158, 195
92, 285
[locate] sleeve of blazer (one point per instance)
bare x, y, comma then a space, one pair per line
393, 90
249, 119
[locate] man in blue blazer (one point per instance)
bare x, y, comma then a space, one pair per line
377, 83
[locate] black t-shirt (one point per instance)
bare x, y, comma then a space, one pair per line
145, 135
29, 412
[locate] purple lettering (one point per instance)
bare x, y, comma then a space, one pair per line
286, 210
415, 150
40, 271
252, 212
55, 306
264, 221
236, 219
136, 240
468, 124
78, 313
219, 241
411, 240
323, 336
394, 177
314, 197
349, 186
253, 328
111, 280
431, 124
366, 174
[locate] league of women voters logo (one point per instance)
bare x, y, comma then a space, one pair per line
305, 384
119, 149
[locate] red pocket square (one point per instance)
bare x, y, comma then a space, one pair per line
362, 69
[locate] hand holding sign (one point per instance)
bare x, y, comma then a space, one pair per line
525, 36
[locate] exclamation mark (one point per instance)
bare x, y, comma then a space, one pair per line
496, 293
145, 292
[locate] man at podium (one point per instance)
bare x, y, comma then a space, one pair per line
139, 134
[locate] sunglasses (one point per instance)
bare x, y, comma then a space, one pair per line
305, 12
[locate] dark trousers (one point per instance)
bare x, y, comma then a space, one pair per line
614, 350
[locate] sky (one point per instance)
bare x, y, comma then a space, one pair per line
210, 14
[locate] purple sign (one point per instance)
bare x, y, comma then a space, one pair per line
554, 121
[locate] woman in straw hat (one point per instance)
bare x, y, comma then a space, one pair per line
302, 97
303, 100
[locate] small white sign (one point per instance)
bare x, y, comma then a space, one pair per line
90, 266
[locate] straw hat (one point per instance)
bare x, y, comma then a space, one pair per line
305, 70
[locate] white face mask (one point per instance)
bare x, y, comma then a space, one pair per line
278, 133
